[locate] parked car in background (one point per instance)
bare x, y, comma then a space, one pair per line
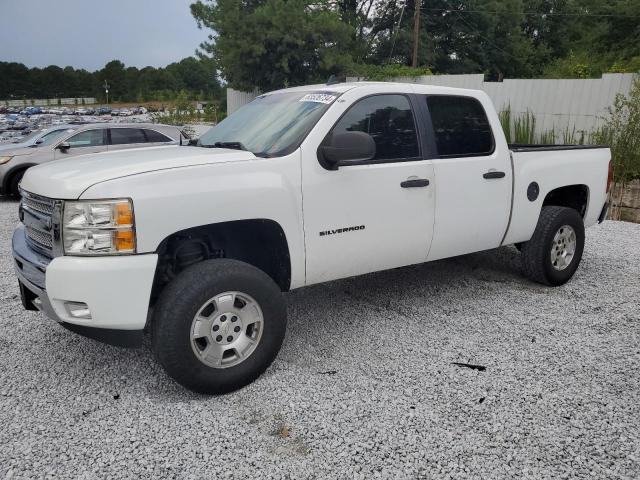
80, 140
103, 111
39, 137
115, 112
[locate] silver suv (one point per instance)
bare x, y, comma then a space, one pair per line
79, 140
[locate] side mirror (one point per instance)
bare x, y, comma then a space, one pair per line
346, 149
39, 141
64, 146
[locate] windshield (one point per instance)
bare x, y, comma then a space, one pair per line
272, 125
49, 138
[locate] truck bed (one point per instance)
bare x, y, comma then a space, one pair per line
539, 169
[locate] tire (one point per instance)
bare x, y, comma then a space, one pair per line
14, 191
225, 284
537, 256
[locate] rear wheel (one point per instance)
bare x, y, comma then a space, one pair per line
554, 252
218, 326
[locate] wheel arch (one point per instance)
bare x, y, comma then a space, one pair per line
259, 242
571, 196
12, 172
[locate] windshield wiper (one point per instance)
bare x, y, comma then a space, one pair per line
232, 145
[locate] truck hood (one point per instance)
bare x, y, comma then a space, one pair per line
68, 178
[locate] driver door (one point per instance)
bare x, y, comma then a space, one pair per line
375, 215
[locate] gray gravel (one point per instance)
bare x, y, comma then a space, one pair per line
364, 387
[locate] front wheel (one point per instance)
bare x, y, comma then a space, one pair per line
554, 252
218, 326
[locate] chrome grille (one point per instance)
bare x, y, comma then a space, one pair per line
39, 205
43, 239
37, 215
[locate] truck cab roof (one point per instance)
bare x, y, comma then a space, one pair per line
346, 86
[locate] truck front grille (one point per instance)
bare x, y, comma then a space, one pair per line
38, 216
42, 206
42, 239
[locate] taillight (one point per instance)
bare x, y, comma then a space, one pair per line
610, 176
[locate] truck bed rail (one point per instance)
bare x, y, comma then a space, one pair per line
527, 147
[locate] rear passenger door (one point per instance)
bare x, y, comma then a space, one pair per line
473, 176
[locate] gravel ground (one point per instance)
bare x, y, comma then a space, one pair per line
364, 387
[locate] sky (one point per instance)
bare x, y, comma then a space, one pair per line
89, 33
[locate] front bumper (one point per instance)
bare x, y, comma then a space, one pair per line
115, 289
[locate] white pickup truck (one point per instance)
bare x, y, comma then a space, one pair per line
196, 244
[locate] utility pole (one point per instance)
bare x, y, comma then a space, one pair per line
416, 32
106, 90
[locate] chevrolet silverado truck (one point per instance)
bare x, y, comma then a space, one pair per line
195, 244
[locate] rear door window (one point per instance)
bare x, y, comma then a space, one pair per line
460, 125
124, 136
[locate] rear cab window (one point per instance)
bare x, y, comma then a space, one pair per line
460, 126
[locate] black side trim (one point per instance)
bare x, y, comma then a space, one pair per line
526, 147
118, 338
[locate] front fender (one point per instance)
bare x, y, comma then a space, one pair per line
167, 201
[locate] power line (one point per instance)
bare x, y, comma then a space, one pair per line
395, 36
490, 42
541, 14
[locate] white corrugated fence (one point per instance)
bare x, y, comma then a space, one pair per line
576, 104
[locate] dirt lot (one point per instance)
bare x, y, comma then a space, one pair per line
364, 387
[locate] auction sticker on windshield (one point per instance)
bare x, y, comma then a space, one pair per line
318, 98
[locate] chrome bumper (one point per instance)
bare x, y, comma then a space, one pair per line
30, 268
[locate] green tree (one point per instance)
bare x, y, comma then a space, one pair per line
114, 74
274, 43
621, 132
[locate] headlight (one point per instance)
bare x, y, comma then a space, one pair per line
98, 227
5, 159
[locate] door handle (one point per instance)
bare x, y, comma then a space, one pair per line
493, 174
415, 183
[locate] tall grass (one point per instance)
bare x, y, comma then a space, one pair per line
524, 128
548, 137
505, 121
621, 132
